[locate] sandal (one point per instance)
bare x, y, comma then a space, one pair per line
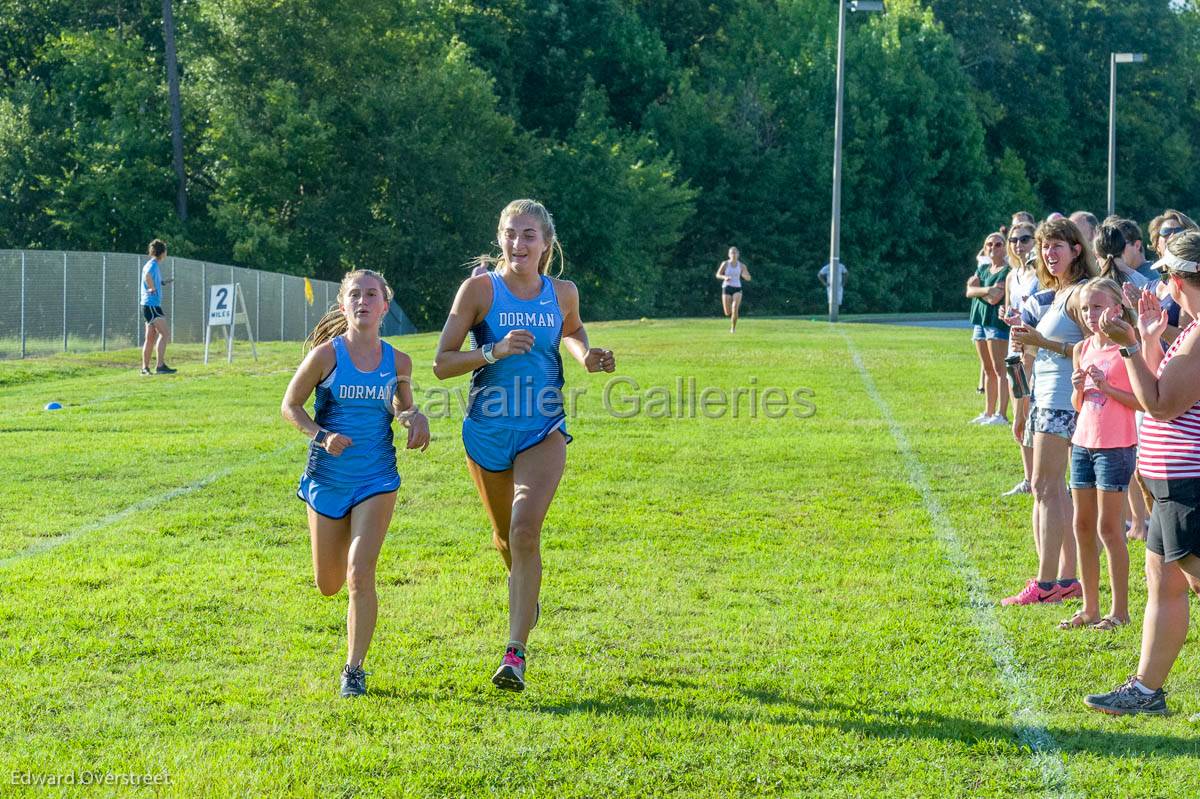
1078, 620
1109, 623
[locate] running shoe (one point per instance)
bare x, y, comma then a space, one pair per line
146, 370
163, 369
1127, 699
1032, 594
354, 681
980, 419
1072, 591
996, 420
511, 674
1022, 487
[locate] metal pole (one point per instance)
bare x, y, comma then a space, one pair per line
1112, 133
281, 306
103, 302
835, 277
257, 303
64, 302
22, 303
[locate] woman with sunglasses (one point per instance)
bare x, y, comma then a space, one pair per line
1022, 283
989, 332
1164, 227
1051, 321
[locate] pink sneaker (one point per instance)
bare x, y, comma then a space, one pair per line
1072, 591
1032, 594
511, 674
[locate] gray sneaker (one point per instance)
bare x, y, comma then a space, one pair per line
1020, 488
354, 681
1128, 699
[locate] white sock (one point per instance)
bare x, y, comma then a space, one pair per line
1142, 689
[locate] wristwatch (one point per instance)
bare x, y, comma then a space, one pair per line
486, 350
319, 438
1130, 351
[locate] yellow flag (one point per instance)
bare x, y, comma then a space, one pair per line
308, 295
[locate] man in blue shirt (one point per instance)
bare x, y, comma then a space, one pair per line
158, 333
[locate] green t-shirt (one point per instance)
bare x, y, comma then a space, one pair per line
984, 313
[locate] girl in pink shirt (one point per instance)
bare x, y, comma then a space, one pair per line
1103, 457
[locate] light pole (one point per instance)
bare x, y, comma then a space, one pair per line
1113, 60
835, 233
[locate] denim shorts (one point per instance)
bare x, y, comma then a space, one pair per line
1175, 518
1108, 469
1051, 421
981, 333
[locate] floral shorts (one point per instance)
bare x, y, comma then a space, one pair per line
1051, 421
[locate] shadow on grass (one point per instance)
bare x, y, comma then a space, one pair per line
882, 723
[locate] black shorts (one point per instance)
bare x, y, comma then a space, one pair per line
152, 312
733, 289
1175, 519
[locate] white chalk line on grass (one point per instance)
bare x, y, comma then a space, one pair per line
1031, 726
47, 544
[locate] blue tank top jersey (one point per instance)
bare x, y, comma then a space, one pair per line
520, 392
357, 404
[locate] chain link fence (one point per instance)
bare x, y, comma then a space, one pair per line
87, 301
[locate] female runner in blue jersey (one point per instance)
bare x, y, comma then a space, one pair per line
350, 481
515, 431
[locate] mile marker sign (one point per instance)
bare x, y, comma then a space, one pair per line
220, 305
221, 314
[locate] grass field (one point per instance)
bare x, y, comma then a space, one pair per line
804, 606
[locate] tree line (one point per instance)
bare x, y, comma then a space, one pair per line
321, 135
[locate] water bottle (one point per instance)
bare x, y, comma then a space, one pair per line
1017, 378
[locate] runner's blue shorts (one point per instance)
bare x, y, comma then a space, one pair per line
336, 501
494, 447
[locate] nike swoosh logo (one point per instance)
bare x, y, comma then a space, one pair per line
545, 302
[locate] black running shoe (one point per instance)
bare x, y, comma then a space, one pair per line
354, 681
1128, 699
165, 370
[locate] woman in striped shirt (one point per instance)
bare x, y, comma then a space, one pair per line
1168, 386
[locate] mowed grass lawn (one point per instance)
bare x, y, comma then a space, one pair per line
732, 607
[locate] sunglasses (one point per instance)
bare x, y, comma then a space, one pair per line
1170, 231
991, 244
1019, 239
